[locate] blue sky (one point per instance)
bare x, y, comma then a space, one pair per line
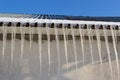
62, 7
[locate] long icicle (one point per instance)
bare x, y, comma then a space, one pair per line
115, 50
99, 48
58, 51
75, 52
49, 55
12, 43
65, 44
90, 44
13, 33
30, 36
115, 32
14, 36
22, 43
82, 44
4, 42
40, 50
108, 51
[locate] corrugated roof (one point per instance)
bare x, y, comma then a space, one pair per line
62, 17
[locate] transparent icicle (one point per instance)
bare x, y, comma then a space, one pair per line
30, 36
99, 47
82, 43
65, 44
108, 51
13, 33
115, 35
115, 50
58, 51
90, 44
49, 55
22, 42
4, 42
75, 52
40, 48
97, 31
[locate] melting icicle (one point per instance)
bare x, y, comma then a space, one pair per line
30, 37
40, 50
14, 36
58, 51
90, 44
115, 33
65, 44
48, 37
4, 42
22, 42
74, 47
99, 47
13, 33
12, 42
82, 42
115, 50
108, 51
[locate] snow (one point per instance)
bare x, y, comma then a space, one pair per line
33, 20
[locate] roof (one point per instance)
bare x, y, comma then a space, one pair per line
62, 17
59, 21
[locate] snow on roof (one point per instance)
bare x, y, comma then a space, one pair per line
39, 18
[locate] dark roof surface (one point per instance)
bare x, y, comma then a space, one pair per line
62, 17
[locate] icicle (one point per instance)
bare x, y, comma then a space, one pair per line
40, 50
115, 32
99, 49
90, 44
49, 55
4, 42
58, 51
115, 50
82, 43
30, 36
65, 44
99, 45
12, 42
13, 34
22, 42
108, 51
75, 52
